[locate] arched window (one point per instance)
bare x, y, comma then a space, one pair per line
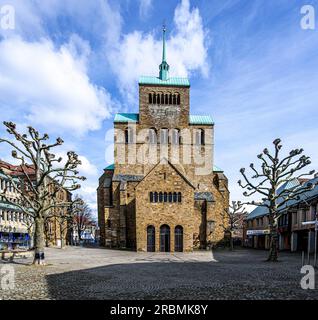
164, 136
155, 197
170, 98
178, 239
165, 238
175, 136
175, 197
199, 137
160, 197
151, 244
179, 197
151, 196
170, 197
152, 136
158, 98
202, 137
154, 99
178, 99
150, 98
129, 135
126, 136
165, 197
174, 99
162, 98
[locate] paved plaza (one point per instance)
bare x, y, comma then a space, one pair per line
96, 273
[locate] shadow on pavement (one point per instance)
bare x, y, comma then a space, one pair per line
230, 278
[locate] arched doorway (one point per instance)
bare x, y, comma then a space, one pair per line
165, 238
178, 239
151, 243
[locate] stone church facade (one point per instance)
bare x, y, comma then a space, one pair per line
163, 192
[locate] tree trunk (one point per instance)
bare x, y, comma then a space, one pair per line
231, 243
61, 236
39, 242
79, 234
273, 249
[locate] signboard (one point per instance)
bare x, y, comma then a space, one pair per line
257, 232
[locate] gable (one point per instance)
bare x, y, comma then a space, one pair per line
156, 174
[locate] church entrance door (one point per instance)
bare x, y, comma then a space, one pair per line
165, 238
151, 239
178, 239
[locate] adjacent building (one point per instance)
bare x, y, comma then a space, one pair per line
163, 192
16, 227
296, 222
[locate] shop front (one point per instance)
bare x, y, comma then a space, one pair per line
14, 240
258, 239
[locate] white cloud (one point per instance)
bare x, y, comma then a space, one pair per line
145, 7
139, 53
50, 86
87, 168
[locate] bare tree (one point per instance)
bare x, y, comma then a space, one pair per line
83, 217
41, 178
62, 219
267, 181
234, 217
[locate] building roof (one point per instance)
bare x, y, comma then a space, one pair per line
306, 196
166, 161
134, 118
127, 177
208, 196
112, 167
217, 169
200, 119
164, 79
294, 183
8, 206
126, 117
173, 81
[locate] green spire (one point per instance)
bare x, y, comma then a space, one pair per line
164, 67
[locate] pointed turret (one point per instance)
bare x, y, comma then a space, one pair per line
164, 67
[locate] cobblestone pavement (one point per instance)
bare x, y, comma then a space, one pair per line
95, 273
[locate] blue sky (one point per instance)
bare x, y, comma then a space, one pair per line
69, 66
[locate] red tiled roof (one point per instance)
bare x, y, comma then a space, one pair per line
17, 169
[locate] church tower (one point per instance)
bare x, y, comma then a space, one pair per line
164, 199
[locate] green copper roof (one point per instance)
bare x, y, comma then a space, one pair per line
217, 169
134, 117
110, 167
126, 117
8, 206
205, 120
178, 82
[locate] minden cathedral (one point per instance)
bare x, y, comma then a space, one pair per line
163, 193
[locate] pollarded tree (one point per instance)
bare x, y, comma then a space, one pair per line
83, 217
234, 217
271, 182
41, 177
